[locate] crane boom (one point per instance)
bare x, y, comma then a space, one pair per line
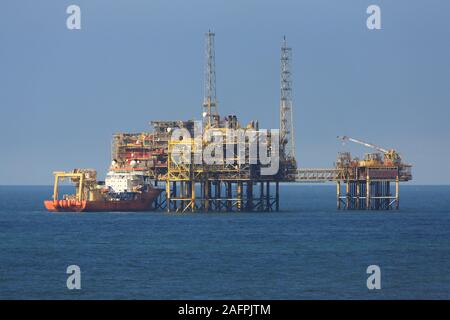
369, 145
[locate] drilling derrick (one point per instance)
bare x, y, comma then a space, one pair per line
210, 115
287, 146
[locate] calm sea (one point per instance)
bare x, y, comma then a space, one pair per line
309, 250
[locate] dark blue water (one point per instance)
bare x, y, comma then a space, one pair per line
308, 251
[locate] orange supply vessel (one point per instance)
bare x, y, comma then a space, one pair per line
122, 191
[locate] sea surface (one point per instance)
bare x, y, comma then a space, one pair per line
309, 250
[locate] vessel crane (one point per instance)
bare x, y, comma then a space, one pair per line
389, 155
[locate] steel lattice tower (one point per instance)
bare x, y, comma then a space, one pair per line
286, 122
210, 99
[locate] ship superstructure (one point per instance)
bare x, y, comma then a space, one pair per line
122, 191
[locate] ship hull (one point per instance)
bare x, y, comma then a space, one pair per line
144, 202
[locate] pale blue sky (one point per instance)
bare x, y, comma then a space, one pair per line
63, 93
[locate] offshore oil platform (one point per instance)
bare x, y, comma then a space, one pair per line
240, 186
170, 156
